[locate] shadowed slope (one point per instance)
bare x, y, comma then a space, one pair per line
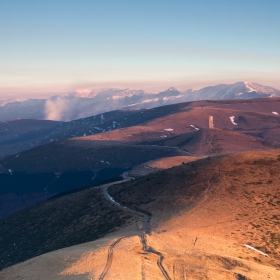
84, 155
58, 223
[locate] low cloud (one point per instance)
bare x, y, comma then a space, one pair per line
57, 110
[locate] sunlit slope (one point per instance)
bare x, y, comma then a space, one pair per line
201, 213
215, 142
266, 126
233, 197
258, 117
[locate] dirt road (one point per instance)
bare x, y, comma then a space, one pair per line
110, 257
143, 233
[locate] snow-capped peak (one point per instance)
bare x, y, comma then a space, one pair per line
83, 102
7, 101
260, 88
172, 89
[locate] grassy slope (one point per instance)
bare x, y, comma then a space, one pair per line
67, 155
62, 222
216, 141
235, 196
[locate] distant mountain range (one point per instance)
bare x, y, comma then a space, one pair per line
75, 105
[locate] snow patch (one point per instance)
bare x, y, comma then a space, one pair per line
260, 88
104, 161
150, 100
172, 97
232, 120
168, 129
99, 128
112, 199
196, 128
275, 113
250, 247
163, 136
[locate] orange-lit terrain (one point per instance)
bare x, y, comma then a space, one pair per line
139, 140
187, 205
201, 213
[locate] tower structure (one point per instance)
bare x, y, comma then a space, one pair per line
211, 122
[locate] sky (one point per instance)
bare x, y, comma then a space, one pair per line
57, 46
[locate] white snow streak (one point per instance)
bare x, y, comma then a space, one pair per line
275, 113
194, 127
232, 120
99, 128
168, 129
112, 199
250, 247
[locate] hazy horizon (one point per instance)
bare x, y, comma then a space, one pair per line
54, 47
44, 95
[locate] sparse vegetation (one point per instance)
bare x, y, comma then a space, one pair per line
58, 223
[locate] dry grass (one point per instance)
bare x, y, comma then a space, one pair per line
58, 223
165, 163
221, 202
234, 197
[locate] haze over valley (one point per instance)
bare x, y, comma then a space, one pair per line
62, 163
139, 140
77, 104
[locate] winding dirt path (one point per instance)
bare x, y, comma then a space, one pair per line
144, 231
110, 257
150, 250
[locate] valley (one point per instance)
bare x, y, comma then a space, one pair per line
188, 200
139, 140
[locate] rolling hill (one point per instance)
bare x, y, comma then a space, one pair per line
256, 117
110, 143
214, 142
39, 173
22, 134
201, 216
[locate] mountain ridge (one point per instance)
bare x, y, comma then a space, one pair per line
84, 103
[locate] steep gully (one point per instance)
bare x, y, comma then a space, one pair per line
143, 236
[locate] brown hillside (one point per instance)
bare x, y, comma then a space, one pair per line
234, 198
13, 128
58, 223
216, 141
84, 155
202, 215
257, 124
19, 135
260, 105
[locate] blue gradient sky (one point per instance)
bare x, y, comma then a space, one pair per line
55, 46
